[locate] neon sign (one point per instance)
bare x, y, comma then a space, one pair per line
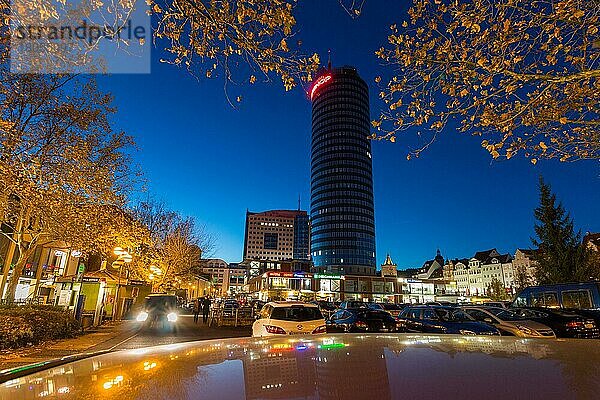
320, 82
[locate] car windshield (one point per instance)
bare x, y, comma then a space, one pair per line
160, 302
450, 315
374, 314
504, 315
296, 313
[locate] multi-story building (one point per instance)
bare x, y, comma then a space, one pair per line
274, 238
226, 279
388, 268
432, 269
524, 267
497, 266
342, 207
461, 275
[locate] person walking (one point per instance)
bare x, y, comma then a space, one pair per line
197, 307
205, 309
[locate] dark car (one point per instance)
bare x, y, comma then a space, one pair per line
498, 304
159, 309
231, 303
354, 304
581, 298
392, 308
564, 323
570, 296
361, 320
441, 319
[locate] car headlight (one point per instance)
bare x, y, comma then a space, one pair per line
527, 331
143, 316
466, 332
171, 317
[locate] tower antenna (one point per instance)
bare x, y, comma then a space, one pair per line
329, 59
298, 201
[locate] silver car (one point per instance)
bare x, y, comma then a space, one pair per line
509, 323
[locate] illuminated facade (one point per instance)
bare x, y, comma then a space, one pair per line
342, 209
277, 235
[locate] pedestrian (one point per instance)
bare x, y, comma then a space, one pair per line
205, 309
197, 307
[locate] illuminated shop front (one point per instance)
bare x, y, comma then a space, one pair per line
283, 286
329, 286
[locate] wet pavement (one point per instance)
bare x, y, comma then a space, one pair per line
119, 336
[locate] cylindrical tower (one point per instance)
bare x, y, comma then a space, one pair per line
342, 212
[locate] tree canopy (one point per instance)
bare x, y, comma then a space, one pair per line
521, 75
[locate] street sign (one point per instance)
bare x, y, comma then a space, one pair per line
81, 269
136, 282
90, 279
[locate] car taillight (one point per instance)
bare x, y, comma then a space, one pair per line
361, 324
274, 329
320, 329
575, 324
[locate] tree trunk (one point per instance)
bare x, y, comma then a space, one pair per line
11, 289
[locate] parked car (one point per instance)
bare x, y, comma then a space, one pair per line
509, 323
391, 307
574, 296
361, 320
582, 298
499, 304
231, 303
288, 318
441, 319
439, 303
564, 323
354, 304
158, 309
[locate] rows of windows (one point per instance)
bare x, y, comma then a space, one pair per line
323, 260
329, 187
342, 234
335, 245
335, 150
362, 237
328, 218
332, 210
341, 225
317, 205
364, 164
341, 156
343, 171
323, 192
362, 181
339, 93
331, 105
355, 120
341, 138
344, 115
340, 132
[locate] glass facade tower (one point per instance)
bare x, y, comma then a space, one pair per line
342, 211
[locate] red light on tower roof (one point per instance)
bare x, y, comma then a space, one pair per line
320, 82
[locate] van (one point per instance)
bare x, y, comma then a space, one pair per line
573, 296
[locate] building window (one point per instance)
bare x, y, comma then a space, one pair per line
270, 241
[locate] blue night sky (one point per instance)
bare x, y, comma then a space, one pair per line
211, 161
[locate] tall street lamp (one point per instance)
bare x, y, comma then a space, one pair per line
123, 257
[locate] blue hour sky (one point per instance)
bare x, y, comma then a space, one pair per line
211, 161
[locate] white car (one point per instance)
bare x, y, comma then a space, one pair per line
288, 318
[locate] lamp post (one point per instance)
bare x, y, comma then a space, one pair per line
123, 258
